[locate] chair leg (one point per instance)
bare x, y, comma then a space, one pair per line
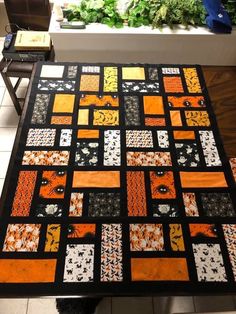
12, 93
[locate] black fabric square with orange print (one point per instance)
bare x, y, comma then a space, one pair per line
119, 185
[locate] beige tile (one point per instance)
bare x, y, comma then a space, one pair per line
4, 161
169, 305
2, 91
8, 117
42, 306
104, 306
24, 83
2, 84
13, 306
21, 91
13, 80
138, 305
7, 138
7, 102
213, 303
1, 187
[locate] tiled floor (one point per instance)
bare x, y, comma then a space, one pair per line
147, 305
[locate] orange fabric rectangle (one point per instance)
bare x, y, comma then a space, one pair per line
24, 193
61, 120
83, 117
99, 101
155, 121
175, 118
27, 270
88, 133
202, 179
184, 135
136, 194
99, 179
176, 237
153, 105
149, 269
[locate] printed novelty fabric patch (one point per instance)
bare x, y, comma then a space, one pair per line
119, 185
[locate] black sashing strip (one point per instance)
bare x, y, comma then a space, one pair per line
97, 253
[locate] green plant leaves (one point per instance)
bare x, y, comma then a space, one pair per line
144, 12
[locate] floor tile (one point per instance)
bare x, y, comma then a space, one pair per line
1, 187
4, 161
2, 84
132, 305
8, 117
24, 83
7, 102
104, 306
13, 306
7, 138
13, 80
213, 303
2, 91
39, 306
21, 91
169, 305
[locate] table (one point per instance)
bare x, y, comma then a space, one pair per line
146, 205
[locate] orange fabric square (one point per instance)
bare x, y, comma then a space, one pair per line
53, 184
175, 118
184, 135
89, 83
88, 133
149, 269
27, 270
162, 184
173, 84
99, 179
63, 103
153, 105
202, 179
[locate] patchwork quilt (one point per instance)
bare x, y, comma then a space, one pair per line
119, 185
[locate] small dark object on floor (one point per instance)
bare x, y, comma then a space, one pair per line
77, 306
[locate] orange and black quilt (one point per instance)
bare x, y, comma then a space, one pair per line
119, 184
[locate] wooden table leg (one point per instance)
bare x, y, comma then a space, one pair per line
11, 92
